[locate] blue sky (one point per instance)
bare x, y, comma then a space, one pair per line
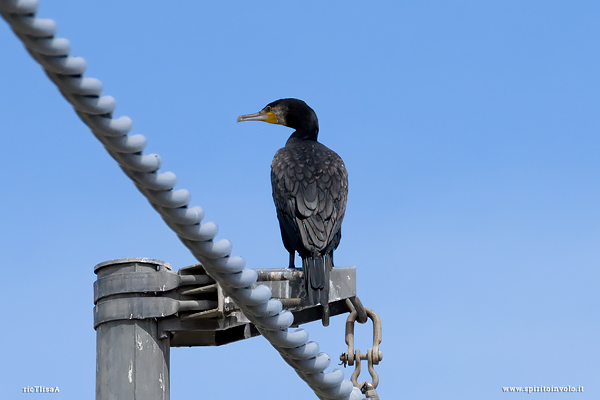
470, 133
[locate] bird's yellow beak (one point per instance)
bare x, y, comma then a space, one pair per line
262, 115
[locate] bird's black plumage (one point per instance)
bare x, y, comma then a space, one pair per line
310, 190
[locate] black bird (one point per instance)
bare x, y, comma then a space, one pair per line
310, 189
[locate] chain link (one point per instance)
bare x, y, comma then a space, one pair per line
373, 355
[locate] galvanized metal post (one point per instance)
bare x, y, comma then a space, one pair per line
132, 358
142, 308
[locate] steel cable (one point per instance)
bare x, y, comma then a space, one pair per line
272, 321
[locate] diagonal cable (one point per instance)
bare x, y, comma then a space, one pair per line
38, 36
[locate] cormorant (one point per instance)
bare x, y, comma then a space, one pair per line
310, 189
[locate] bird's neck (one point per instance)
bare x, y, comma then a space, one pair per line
304, 134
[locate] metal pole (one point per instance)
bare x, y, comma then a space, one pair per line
132, 358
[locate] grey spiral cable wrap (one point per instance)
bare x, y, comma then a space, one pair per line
38, 36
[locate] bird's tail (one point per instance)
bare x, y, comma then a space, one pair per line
317, 271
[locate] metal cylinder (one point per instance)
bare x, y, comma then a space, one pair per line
132, 359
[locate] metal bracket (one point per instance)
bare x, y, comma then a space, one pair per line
193, 310
227, 323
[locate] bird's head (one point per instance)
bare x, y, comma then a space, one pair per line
292, 113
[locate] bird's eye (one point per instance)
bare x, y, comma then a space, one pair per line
268, 109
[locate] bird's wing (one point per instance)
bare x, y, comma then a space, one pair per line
310, 190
